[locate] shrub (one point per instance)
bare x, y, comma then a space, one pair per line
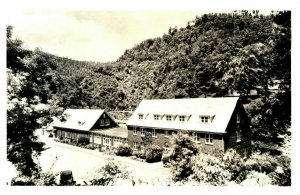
261, 162
37, 179
123, 150
235, 164
50, 135
282, 175
153, 153
83, 141
209, 170
255, 178
90, 146
140, 154
107, 175
22, 181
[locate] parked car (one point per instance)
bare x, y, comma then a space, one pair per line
66, 178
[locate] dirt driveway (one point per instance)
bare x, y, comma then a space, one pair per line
61, 156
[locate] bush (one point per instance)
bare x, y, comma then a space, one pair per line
107, 175
140, 154
123, 150
255, 178
22, 181
83, 141
235, 164
282, 175
50, 135
153, 153
90, 146
209, 170
261, 162
37, 179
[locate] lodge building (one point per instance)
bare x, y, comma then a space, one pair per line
214, 123
94, 124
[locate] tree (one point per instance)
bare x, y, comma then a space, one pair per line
25, 79
183, 149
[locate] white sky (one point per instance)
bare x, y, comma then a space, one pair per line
87, 32
93, 35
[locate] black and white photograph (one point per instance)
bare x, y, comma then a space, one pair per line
148, 97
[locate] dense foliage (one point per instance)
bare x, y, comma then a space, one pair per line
28, 103
123, 150
191, 166
153, 153
107, 175
183, 150
83, 141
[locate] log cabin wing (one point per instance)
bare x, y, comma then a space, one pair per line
94, 124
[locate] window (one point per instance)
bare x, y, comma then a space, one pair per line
156, 117
107, 122
153, 132
134, 131
167, 133
142, 132
81, 123
204, 119
182, 118
238, 118
118, 141
168, 117
101, 122
208, 139
106, 141
197, 137
135, 146
141, 116
238, 136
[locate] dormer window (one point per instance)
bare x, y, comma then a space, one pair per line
182, 118
156, 117
205, 119
81, 123
141, 116
168, 117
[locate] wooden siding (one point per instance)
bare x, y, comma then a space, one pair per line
104, 122
243, 147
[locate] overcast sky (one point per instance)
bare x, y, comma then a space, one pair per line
93, 35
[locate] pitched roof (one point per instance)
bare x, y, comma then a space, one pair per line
114, 132
220, 109
80, 119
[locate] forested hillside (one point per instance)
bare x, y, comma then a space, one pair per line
214, 53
